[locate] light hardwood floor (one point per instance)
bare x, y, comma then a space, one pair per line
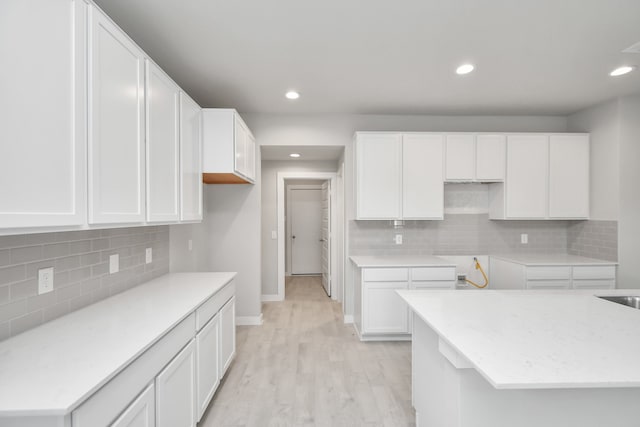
305, 367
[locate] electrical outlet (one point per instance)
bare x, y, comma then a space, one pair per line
114, 263
274, 235
190, 244
148, 255
45, 280
398, 239
524, 238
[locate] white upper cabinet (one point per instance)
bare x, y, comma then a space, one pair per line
569, 176
547, 178
190, 159
475, 157
163, 145
460, 157
491, 157
228, 148
422, 188
43, 113
379, 175
116, 125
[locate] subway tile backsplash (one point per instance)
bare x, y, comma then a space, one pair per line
81, 271
594, 239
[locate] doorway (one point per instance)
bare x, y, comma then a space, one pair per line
306, 213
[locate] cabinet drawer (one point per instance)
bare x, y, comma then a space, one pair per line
385, 274
433, 273
549, 273
210, 307
433, 284
594, 284
549, 284
108, 402
594, 272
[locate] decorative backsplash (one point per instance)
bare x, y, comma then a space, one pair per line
594, 239
81, 271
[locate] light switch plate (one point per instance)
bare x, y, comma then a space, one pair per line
45, 280
274, 235
114, 263
148, 255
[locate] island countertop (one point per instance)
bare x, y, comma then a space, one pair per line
372, 261
537, 339
51, 369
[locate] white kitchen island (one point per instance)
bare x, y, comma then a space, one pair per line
524, 358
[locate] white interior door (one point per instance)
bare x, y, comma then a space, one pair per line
306, 231
325, 233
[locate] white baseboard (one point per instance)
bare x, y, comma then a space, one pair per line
249, 320
271, 297
348, 318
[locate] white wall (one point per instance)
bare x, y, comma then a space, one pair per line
603, 122
269, 213
629, 222
338, 129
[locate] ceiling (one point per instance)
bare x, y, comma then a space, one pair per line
307, 152
390, 57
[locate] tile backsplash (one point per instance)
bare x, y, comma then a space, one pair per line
594, 239
81, 271
458, 234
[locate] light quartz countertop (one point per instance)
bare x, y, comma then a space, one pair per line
537, 339
552, 259
401, 261
51, 369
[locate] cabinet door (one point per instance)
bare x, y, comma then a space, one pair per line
175, 391
422, 183
460, 158
207, 364
163, 145
190, 159
527, 172
239, 146
491, 157
569, 176
250, 156
227, 335
141, 413
378, 176
43, 113
116, 131
383, 311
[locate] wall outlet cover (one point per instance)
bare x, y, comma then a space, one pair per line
524, 238
190, 244
45, 280
148, 255
114, 263
398, 239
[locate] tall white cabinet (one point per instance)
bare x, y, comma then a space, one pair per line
399, 176
569, 176
116, 125
42, 113
190, 159
163, 145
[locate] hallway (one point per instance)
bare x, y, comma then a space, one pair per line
305, 367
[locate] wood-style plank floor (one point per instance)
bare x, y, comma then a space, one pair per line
305, 367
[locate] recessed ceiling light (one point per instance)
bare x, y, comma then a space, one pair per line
622, 70
464, 69
294, 155
292, 94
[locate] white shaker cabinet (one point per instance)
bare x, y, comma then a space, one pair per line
383, 311
422, 170
163, 146
175, 391
228, 148
378, 175
460, 159
227, 349
141, 413
190, 159
43, 113
116, 125
491, 153
527, 172
475, 157
569, 176
207, 364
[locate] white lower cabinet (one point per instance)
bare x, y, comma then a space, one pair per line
141, 413
207, 364
175, 391
383, 311
227, 348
